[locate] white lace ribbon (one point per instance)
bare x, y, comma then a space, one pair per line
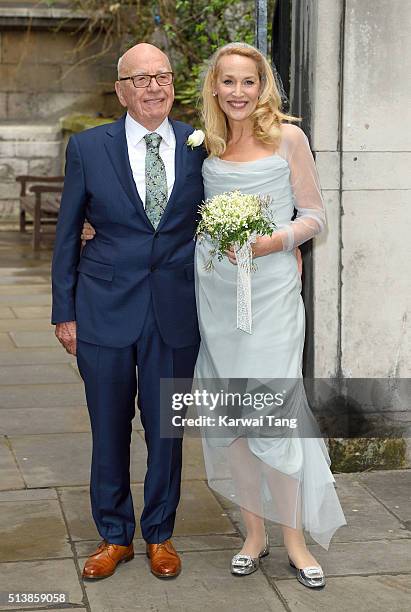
244, 257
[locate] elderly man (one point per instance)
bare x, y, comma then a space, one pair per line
129, 299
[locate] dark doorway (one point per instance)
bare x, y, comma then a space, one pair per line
291, 58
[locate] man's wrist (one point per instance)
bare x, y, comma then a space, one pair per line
64, 322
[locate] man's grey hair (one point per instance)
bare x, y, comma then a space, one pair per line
120, 60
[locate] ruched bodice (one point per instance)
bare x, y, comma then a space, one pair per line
277, 307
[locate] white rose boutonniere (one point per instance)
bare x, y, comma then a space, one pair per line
195, 139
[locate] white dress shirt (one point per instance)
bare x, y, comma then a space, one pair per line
136, 145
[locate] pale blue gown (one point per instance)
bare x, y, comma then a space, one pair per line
285, 479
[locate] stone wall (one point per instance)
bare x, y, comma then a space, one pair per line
43, 79
361, 136
362, 141
39, 78
33, 149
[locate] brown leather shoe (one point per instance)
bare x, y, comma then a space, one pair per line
103, 562
164, 560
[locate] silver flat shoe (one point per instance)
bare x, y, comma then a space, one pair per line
311, 577
242, 565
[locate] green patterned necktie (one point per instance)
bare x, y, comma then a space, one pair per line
156, 180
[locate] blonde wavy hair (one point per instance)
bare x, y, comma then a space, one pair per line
267, 116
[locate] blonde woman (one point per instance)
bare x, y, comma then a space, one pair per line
254, 149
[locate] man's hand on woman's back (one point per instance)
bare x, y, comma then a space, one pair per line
88, 232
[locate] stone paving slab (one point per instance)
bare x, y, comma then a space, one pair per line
366, 518
136, 423
57, 575
393, 489
76, 505
23, 339
64, 419
32, 312
359, 593
28, 356
42, 270
17, 280
6, 312
67, 419
350, 558
26, 300
13, 325
27, 495
209, 542
193, 461
74, 365
64, 459
6, 342
205, 584
368, 566
76, 608
32, 396
36, 265
14, 290
37, 374
195, 495
10, 475
32, 530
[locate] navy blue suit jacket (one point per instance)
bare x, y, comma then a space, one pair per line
108, 289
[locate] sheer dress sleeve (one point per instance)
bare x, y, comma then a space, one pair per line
310, 219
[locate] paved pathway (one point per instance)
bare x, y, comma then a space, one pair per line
46, 530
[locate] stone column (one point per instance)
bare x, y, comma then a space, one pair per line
361, 136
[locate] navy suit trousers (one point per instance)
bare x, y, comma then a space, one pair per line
111, 385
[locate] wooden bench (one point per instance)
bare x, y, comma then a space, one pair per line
40, 197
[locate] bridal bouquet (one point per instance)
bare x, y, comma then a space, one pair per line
235, 218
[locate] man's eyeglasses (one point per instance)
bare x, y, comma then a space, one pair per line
144, 80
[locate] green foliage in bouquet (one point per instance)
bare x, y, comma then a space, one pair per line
234, 218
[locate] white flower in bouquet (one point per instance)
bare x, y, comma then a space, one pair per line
234, 218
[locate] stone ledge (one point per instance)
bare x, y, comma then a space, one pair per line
29, 149
29, 131
363, 454
36, 16
78, 122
